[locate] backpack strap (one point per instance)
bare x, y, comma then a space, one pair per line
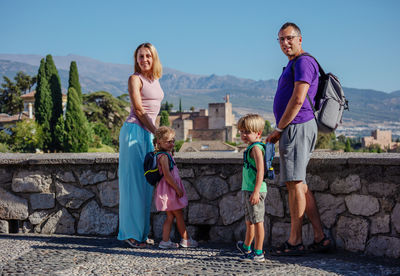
171, 161
246, 155
321, 72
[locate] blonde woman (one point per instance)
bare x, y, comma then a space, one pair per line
135, 140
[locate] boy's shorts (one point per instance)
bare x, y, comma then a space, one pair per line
253, 213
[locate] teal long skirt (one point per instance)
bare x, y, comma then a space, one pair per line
135, 193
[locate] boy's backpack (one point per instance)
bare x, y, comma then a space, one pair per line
151, 172
330, 101
269, 153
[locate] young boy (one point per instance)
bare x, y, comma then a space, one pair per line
254, 189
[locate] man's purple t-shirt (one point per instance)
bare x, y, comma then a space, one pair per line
306, 69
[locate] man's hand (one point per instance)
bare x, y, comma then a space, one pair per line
255, 198
273, 137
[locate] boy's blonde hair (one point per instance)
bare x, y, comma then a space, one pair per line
157, 67
251, 122
161, 133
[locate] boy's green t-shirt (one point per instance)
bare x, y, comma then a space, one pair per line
249, 175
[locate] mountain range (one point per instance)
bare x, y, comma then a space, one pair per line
366, 106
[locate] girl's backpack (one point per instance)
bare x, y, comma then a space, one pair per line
269, 153
151, 172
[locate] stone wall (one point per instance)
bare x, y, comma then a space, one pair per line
358, 197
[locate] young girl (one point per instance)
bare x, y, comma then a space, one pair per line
170, 195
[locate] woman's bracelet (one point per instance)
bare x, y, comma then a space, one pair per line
278, 129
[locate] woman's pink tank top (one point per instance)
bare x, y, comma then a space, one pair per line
152, 95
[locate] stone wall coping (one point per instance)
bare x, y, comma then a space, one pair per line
334, 158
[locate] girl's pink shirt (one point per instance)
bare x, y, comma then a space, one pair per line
152, 95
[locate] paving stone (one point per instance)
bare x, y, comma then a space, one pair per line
77, 255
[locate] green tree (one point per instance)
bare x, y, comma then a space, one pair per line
76, 136
192, 108
166, 106
74, 79
164, 119
56, 97
103, 132
325, 140
180, 105
267, 128
27, 136
43, 105
348, 146
10, 97
24, 82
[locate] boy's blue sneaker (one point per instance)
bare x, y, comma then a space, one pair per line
239, 246
253, 257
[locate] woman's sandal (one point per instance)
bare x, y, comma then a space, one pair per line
135, 244
286, 249
321, 246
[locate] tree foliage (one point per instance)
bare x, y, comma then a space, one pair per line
267, 128
74, 79
27, 136
166, 107
164, 119
56, 97
24, 82
43, 105
76, 137
180, 105
10, 97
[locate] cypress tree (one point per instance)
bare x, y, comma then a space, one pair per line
43, 105
180, 105
164, 119
56, 96
76, 126
74, 79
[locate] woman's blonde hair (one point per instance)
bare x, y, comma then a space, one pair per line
161, 133
157, 67
251, 122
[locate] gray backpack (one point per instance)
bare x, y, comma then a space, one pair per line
330, 101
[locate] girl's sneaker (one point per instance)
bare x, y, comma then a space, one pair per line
167, 244
189, 243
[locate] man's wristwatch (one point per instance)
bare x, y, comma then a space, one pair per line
278, 129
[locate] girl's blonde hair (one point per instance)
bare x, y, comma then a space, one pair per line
161, 133
157, 67
251, 122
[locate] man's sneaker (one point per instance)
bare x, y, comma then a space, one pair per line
239, 246
189, 243
167, 244
253, 257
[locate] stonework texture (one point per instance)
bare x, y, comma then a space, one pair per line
359, 202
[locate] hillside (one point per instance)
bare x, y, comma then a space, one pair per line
366, 106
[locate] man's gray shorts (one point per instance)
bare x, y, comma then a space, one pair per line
253, 213
295, 147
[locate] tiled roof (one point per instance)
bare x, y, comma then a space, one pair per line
206, 146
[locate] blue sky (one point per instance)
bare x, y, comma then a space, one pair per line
358, 40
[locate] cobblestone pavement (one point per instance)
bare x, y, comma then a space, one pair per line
77, 255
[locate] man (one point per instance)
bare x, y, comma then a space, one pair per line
296, 130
